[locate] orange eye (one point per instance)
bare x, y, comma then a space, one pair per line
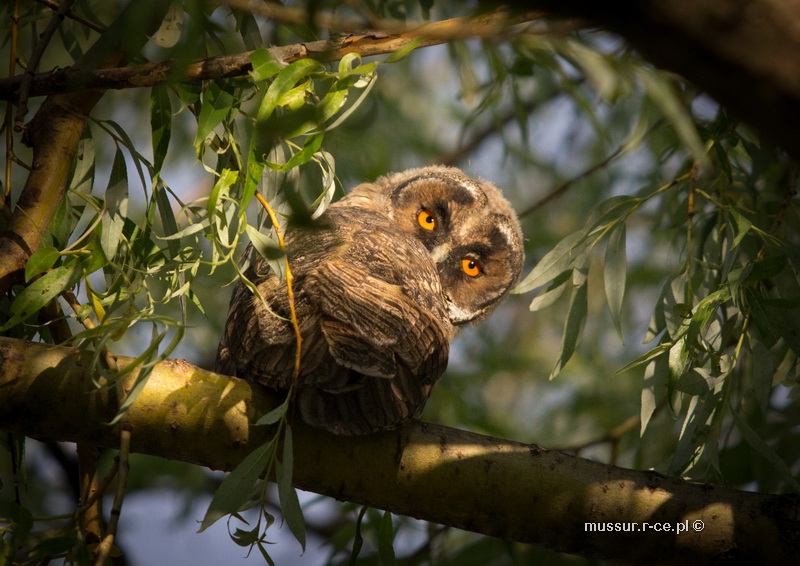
426, 219
471, 267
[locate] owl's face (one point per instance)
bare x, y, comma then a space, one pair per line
467, 226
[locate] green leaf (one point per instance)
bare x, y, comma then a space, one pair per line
221, 188
663, 94
358, 539
248, 29
264, 554
235, 490
552, 293
743, 225
264, 64
265, 245
290, 504
116, 210
41, 261
217, 104
168, 221
245, 538
576, 320
285, 81
36, 295
190, 229
310, 147
614, 276
703, 312
274, 415
403, 52
763, 372
561, 258
694, 432
767, 268
366, 83
692, 382
759, 445
145, 363
327, 164
646, 357
385, 540
160, 123
611, 211
83, 175
656, 376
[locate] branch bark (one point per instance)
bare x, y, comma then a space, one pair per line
745, 54
487, 485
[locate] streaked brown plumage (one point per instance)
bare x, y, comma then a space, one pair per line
380, 290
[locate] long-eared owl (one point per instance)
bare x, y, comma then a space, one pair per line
382, 283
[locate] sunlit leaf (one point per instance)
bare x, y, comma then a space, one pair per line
116, 207
285, 80
41, 261
217, 104
264, 64
36, 295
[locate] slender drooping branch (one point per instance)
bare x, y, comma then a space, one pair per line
497, 487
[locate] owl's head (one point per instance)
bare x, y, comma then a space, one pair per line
470, 230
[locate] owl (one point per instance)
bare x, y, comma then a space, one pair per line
382, 282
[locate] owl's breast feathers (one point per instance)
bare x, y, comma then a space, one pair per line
372, 314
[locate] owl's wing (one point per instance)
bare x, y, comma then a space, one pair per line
257, 344
372, 325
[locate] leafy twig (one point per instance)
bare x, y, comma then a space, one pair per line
368, 44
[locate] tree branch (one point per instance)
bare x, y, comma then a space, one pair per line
365, 44
487, 485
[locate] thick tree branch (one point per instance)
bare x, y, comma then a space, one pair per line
497, 487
